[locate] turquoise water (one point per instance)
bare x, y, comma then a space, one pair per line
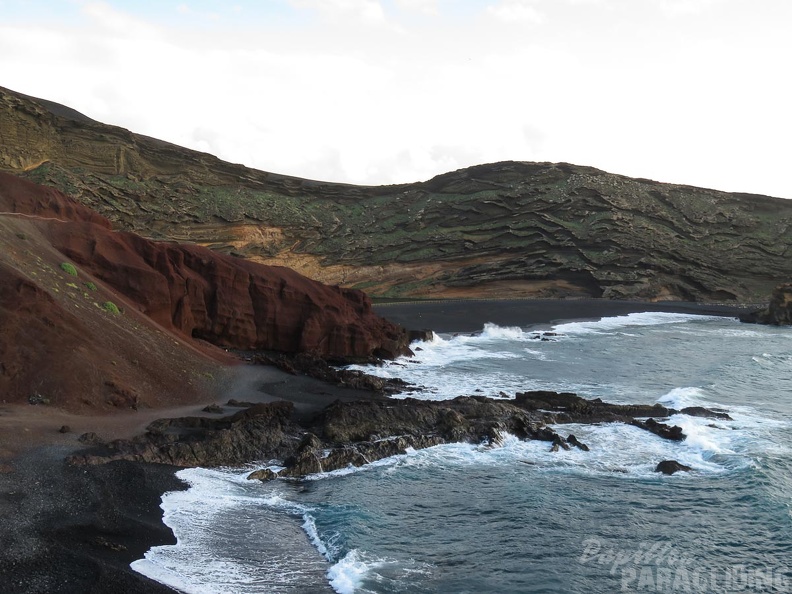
518, 518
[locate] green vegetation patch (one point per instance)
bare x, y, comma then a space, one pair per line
69, 268
90, 286
111, 307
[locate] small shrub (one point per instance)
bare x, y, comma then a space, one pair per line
69, 268
111, 307
90, 286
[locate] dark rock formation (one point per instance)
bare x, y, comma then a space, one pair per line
498, 230
671, 466
700, 411
673, 433
571, 439
356, 433
566, 407
313, 366
260, 432
779, 310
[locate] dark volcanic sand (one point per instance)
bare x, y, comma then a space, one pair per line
471, 315
70, 530
75, 530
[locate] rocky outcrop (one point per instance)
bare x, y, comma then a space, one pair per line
359, 432
261, 432
670, 467
779, 310
202, 294
319, 368
499, 230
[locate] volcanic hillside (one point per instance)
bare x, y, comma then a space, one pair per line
94, 319
510, 229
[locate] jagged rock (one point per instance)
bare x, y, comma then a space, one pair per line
214, 409
671, 466
570, 408
700, 411
571, 439
265, 474
420, 335
317, 367
779, 310
559, 442
64, 429
674, 433
260, 432
355, 433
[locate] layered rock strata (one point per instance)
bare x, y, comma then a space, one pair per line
511, 229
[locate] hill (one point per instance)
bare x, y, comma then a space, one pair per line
512, 229
92, 319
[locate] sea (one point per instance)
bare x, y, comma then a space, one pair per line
517, 517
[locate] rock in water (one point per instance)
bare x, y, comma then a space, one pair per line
571, 439
671, 466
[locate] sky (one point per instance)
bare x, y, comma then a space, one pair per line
388, 91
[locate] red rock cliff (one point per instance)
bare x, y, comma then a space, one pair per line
227, 301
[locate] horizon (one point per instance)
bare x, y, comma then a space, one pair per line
372, 92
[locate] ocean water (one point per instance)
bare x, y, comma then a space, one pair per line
518, 518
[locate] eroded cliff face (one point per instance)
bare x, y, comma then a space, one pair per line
778, 312
62, 343
508, 229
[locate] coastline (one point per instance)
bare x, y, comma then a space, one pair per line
78, 529
470, 315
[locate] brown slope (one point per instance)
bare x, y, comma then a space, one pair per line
504, 229
57, 342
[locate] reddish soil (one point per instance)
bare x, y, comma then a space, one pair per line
59, 345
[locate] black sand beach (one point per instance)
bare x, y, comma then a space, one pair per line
76, 530
471, 315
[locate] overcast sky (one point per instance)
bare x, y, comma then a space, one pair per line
383, 91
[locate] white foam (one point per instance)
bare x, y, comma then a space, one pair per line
473, 359
680, 398
203, 560
347, 575
615, 449
611, 324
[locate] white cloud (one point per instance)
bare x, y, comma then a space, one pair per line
424, 6
369, 11
186, 10
517, 11
336, 98
685, 7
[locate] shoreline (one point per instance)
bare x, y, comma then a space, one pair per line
471, 315
78, 529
